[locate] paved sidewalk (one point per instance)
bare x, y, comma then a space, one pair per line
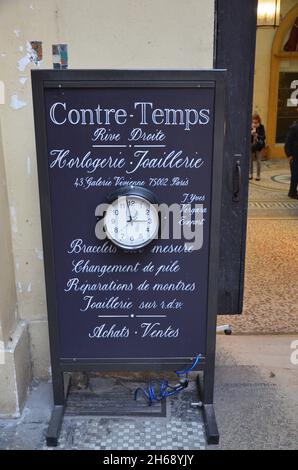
268, 198
271, 270
256, 403
256, 392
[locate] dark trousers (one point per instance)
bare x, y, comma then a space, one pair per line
294, 177
258, 155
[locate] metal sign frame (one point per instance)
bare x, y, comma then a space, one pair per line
43, 79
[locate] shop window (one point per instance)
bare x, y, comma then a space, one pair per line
287, 103
283, 93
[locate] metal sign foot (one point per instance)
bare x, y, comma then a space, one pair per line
212, 433
54, 428
62, 382
211, 429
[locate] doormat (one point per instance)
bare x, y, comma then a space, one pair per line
112, 397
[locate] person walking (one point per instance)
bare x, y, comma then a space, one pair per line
291, 150
258, 138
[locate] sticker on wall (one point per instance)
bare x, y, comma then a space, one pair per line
36, 51
60, 56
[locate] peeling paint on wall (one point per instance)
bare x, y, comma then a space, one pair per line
15, 103
13, 216
23, 80
39, 253
33, 54
23, 62
17, 32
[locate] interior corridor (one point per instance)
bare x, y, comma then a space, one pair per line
271, 274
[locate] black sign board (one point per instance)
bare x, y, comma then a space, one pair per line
116, 301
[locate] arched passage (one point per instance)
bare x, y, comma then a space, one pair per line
284, 69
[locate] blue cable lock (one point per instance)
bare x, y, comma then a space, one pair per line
165, 390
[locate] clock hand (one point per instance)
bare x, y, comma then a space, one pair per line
130, 217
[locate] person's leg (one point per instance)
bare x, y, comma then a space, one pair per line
294, 178
251, 166
295, 175
290, 193
258, 158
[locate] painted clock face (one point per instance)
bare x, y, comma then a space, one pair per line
131, 221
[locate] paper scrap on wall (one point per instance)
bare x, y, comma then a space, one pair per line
60, 56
